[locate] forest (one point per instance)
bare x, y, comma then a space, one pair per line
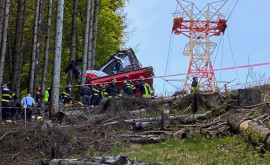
40, 38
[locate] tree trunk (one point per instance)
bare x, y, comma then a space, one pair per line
95, 25
90, 40
256, 132
73, 37
85, 44
2, 11
17, 46
34, 50
39, 45
46, 56
57, 57
18, 84
4, 45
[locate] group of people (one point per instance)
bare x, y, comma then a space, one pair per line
12, 108
97, 93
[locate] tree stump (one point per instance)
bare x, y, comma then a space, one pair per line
247, 97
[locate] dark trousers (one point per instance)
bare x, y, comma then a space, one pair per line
85, 100
6, 111
95, 100
66, 100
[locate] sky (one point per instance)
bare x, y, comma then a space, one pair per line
248, 32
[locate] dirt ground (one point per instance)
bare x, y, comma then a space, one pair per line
83, 131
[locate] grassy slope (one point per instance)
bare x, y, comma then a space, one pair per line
191, 151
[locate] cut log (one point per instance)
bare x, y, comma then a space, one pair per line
256, 131
95, 160
181, 118
136, 112
142, 125
165, 119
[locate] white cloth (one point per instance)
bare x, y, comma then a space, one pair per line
29, 100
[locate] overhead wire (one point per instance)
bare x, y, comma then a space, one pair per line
232, 10
168, 56
233, 55
167, 63
222, 54
229, 8
217, 49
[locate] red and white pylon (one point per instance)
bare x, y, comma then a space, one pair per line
199, 26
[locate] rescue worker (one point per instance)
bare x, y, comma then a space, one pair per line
144, 88
113, 90
6, 99
85, 92
28, 103
194, 85
104, 91
16, 110
65, 96
95, 99
128, 87
38, 90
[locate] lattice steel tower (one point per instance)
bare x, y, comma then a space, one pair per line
199, 26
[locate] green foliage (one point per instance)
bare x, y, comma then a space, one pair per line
90, 152
73, 141
111, 26
198, 150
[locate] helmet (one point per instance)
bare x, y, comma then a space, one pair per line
141, 78
126, 77
113, 80
4, 85
38, 89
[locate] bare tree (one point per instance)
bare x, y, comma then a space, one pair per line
73, 38
57, 57
17, 46
95, 25
39, 44
85, 44
34, 50
18, 84
46, 56
90, 40
4, 45
2, 12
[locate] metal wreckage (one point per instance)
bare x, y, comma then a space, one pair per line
123, 63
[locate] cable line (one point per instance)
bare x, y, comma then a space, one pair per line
233, 55
233, 9
217, 49
168, 57
222, 57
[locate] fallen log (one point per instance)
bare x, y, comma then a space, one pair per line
182, 118
136, 112
256, 132
95, 160
141, 125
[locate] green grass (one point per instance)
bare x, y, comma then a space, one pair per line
192, 151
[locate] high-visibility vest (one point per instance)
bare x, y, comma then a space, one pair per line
195, 89
6, 96
46, 99
65, 94
147, 90
95, 92
104, 92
